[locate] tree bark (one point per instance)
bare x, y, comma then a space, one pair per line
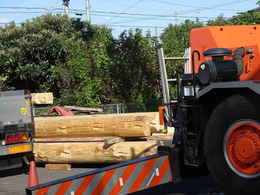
122, 125
92, 152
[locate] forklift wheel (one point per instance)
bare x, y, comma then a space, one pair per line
232, 144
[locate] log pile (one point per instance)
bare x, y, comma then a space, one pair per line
102, 138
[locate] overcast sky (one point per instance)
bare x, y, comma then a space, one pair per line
176, 11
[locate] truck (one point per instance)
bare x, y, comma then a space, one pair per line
216, 117
16, 130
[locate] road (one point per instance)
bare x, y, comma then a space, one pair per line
15, 184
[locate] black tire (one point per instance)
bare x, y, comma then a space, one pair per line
232, 109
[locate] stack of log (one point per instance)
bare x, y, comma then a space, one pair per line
100, 138
94, 138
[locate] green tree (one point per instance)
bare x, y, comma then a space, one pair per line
56, 53
135, 71
219, 21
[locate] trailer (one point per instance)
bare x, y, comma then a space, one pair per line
16, 129
216, 117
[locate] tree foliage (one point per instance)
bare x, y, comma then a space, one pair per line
84, 64
59, 54
134, 71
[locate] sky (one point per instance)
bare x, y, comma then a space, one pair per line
149, 15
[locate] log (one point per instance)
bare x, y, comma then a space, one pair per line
69, 139
58, 167
42, 98
122, 125
92, 152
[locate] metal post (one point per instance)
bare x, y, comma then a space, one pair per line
88, 6
163, 72
66, 6
117, 108
164, 80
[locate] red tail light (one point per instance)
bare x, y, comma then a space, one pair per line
14, 138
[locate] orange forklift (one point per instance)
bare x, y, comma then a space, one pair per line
216, 117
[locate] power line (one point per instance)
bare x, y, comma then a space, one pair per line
25, 12
191, 6
18, 7
127, 9
135, 26
107, 13
133, 16
132, 5
217, 6
98, 11
145, 15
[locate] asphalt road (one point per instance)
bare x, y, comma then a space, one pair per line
15, 184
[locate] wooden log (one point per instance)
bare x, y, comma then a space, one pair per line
58, 167
69, 139
122, 125
42, 98
92, 152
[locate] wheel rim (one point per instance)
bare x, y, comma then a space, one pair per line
242, 148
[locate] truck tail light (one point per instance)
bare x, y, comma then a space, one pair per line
15, 138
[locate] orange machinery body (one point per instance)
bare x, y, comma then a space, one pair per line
231, 37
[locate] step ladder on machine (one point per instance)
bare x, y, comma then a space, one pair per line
167, 101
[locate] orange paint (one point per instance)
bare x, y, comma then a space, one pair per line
83, 186
125, 175
103, 182
162, 171
231, 37
141, 176
242, 147
63, 188
43, 191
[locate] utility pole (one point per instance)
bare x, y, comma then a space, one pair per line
88, 6
66, 6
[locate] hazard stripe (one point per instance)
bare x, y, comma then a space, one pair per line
113, 180
102, 183
94, 182
123, 179
63, 188
83, 186
152, 173
162, 171
142, 175
132, 178
43, 191
167, 177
